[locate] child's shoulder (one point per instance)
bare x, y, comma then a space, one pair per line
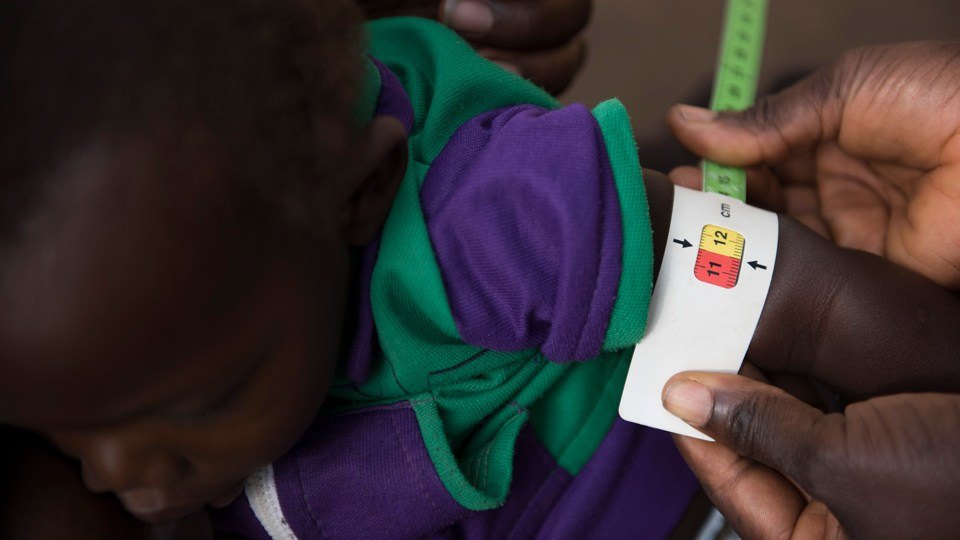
447, 82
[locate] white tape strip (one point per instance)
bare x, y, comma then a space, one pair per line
261, 490
707, 301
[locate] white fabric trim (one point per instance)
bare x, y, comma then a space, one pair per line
261, 491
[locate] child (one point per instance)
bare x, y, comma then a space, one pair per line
221, 218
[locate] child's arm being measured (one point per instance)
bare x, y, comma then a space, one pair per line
852, 319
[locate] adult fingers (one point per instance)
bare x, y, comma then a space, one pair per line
757, 501
553, 68
777, 127
517, 24
757, 421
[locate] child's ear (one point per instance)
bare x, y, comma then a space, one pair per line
376, 179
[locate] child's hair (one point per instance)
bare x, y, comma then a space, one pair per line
269, 83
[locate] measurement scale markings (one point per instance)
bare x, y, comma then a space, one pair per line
717, 269
719, 256
735, 83
722, 241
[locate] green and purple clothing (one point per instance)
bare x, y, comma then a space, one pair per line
497, 318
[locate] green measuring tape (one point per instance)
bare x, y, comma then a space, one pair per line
735, 85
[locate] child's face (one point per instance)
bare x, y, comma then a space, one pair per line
169, 360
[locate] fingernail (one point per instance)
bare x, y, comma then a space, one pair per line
696, 114
691, 401
469, 16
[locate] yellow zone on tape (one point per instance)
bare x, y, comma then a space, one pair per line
722, 241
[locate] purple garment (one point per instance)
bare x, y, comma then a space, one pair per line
365, 345
635, 486
392, 101
367, 473
364, 474
524, 217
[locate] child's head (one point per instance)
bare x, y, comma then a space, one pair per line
179, 184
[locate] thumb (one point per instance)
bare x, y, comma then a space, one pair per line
755, 420
789, 122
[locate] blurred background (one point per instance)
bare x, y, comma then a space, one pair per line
653, 53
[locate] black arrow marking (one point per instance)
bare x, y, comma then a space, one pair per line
684, 243
757, 265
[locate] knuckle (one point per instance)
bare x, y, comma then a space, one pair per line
849, 67
771, 113
744, 422
827, 85
767, 115
763, 115
758, 426
823, 459
863, 67
848, 61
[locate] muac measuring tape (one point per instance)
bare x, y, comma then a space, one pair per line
735, 83
719, 262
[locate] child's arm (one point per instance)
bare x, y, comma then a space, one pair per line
856, 320
853, 320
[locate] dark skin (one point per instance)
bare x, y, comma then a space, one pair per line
222, 357
50, 500
884, 468
541, 40
865, 152
160, 432
234, 349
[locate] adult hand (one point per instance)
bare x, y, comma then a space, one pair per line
886, 468
865, 151
539, 39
